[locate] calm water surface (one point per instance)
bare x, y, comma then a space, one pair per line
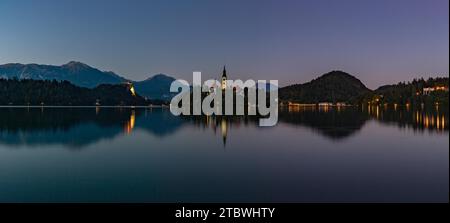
148, 155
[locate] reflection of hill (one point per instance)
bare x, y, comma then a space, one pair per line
78, 127
338, 123
331, 122
74, 127
76, 136
334, 123
159, 122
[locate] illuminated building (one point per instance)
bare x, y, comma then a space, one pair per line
428, 90
224, 79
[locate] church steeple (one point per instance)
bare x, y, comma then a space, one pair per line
224, 72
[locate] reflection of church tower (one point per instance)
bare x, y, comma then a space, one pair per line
224, 78
224, 128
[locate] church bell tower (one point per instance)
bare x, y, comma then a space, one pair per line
224, 78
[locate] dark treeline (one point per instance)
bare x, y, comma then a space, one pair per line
338, 86
332, 87
63, 93
411, 93
333, 123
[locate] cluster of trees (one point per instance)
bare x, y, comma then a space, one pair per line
63, 93
335, 86
338, 86
410, 93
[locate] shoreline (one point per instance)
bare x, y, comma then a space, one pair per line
81, 106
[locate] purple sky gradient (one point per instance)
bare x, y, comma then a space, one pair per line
294, 41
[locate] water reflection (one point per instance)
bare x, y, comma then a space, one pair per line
129, 125
79, 127
220, 124
434, 119
333, 122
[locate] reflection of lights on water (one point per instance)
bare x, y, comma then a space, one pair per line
129, 125
438, 122
431, 121
301, 107
443, 122
293, 108
324, 108
224, 128
418, 118
378, 112
208, 119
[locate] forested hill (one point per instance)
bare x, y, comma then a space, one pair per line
335, 86
55, 93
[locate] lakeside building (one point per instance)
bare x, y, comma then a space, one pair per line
130, 87
338, 104
428, 90
325, 104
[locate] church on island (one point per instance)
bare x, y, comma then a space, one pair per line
223, 82
224, 78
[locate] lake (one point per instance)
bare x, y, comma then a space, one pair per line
329, 154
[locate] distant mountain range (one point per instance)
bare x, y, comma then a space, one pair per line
82, 75
332, 87
77, 73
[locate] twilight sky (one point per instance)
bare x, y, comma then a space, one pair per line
294, 41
